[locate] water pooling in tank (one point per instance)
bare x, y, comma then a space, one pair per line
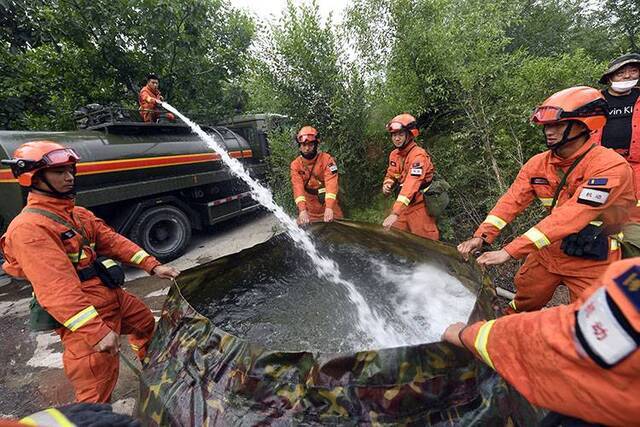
368, 320
280, 302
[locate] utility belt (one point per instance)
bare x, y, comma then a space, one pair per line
592, 242
111, 274
320, 192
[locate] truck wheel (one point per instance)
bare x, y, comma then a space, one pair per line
163, 231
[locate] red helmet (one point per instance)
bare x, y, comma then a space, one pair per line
403, 122
581, 103
33, 156
307, 133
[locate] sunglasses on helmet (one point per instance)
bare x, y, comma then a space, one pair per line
395, 127
51, 159
307, 138
549, 114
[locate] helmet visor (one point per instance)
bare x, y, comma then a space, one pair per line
309, 137
395, 127
547, 114
60, 157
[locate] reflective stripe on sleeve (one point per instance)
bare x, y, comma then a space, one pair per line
300, 199
512, 304
404, 200
496, 221
139, 256
80, 318
481, 342
49, 417
546, 201
638, 203
330, 196
537, 237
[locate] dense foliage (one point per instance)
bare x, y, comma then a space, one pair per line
470, 70
57, 55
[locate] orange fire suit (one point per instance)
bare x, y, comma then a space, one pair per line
580, 360
600, 188
41, 250
147, 100
312, 178
411, 169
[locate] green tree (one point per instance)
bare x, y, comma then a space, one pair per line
60, 54
301, 73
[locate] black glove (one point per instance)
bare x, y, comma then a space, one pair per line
589, 243
96, 415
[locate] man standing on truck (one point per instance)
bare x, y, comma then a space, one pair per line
409, 174
150, 98
65, 251
314, 178
587, 191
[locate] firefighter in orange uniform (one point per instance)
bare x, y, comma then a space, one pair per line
149, 100
587, 190
580, 360
314, 178
62, 250
410, 172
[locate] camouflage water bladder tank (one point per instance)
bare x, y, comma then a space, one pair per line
240, 369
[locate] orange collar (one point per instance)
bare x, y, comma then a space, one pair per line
405, 150
62, 207
562, 162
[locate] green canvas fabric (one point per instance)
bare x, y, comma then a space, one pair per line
198, 374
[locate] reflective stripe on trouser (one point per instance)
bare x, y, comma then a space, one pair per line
535, 284
415, 220
93, 374
48, 418
315, 209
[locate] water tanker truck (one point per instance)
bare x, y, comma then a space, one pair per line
152, 182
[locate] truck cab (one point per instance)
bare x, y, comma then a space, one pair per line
152, 182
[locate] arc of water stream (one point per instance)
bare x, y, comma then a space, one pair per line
369, 321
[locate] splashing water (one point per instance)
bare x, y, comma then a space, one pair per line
370, 321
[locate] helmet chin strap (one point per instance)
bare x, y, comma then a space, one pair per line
55, 193
407, 139
312, 154
565, 137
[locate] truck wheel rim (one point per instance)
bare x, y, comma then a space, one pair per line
164, 235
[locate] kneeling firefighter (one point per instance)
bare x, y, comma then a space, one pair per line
409, 174
580, 360
314, 178
587, 190
66, 253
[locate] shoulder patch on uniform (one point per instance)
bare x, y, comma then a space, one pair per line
392, 163
416, 171
598, 181
416, 165
539, 180
333, 168
629, 283
67, 234
602, 332
593, 196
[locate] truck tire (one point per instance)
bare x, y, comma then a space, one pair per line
163, 231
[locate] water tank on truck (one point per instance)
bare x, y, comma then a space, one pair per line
153, 182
